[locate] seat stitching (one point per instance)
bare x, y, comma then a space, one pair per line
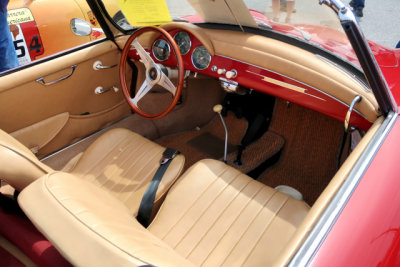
102, 158
135, 149
248, 226
268, 225
205, 210
142, 181
117, 155
150, 159
126, 159
194, 202
233, 221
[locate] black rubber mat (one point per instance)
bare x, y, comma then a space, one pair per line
211, 145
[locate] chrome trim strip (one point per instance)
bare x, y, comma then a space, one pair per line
286, 85
322, 92
325, 223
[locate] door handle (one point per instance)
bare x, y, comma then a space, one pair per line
41, 80
99, 66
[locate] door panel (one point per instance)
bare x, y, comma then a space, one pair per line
25, 102
40, 134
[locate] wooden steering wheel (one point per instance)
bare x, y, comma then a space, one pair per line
154, 74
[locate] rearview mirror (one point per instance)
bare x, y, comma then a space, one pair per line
80, 27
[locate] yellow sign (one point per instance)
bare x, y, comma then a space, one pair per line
18, 16
145, 12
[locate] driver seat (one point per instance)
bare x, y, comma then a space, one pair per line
120, 161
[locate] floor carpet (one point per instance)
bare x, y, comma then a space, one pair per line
309, 158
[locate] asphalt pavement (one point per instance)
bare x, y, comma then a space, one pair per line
381, 21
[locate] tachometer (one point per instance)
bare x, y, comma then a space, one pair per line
201, 58
161, 50
183, 41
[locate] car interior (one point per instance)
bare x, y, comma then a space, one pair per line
79, 160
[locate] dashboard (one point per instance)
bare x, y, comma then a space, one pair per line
259, 63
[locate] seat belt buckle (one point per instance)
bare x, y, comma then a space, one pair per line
168, 155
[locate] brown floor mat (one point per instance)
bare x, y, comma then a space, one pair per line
310, 156
209, 143
236, 129
258, 152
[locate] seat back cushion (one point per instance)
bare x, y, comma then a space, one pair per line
90, 227
19, 166
214, 215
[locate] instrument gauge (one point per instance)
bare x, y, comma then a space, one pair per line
161, 50
201, 58
183, 41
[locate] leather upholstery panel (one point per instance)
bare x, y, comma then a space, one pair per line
214, 215
90, 227
123, 163
80, 126
40, 134
19, 167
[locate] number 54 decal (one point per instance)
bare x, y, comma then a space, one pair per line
27, 42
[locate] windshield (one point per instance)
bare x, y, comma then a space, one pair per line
305, 20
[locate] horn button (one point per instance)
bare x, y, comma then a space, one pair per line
153, 74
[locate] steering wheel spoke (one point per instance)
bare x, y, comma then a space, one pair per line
145, 58
144, 89
166, 83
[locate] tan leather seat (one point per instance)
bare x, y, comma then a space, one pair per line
120, 161
212, 216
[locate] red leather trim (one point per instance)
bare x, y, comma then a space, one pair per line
29, 240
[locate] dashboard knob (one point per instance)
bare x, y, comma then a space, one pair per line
231, 74
221, 71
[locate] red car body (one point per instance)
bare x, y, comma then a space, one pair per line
366, 232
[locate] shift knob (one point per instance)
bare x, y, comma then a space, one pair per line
217, 108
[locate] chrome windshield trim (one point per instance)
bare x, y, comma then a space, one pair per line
367, 60
325, 223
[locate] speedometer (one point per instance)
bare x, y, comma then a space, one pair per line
183, 41
201, 58
161, 50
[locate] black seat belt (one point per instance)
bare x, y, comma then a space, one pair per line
146, 206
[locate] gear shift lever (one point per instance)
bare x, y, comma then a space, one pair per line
218, 109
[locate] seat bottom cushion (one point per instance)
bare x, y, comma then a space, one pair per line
123, 163
215, 215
